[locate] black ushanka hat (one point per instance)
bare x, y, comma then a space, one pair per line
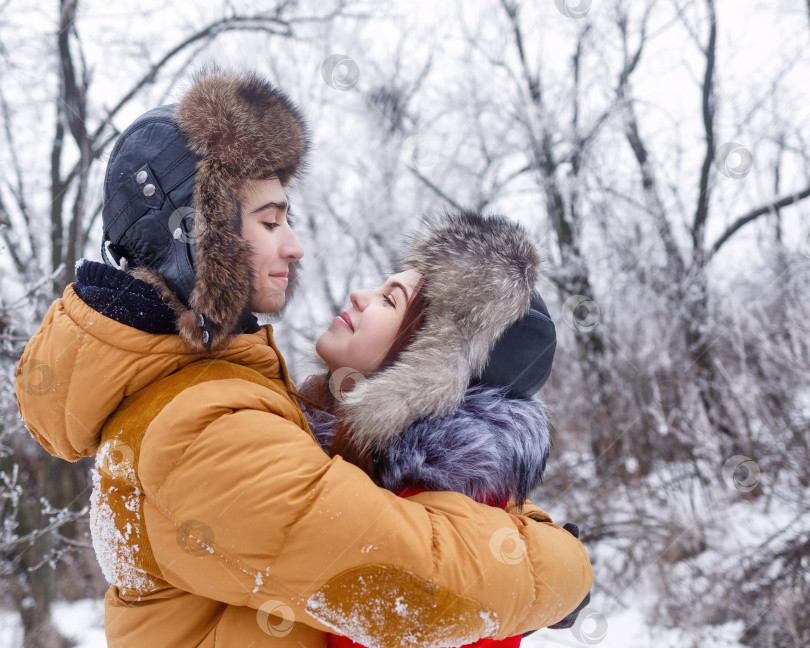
170, 196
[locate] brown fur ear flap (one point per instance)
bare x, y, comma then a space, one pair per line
223, 288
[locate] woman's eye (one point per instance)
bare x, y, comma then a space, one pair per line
271, 226
389, 300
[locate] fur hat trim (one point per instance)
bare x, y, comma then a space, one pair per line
245, 124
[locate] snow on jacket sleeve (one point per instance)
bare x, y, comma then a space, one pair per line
288, 525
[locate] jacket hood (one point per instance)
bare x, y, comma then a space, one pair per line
83, 361
490, 448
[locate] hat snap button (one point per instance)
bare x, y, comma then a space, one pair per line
149, 190
141, 177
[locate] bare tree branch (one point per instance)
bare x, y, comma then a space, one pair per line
771, 207
73, 92
229, 24
58, 188
18, 189
430, 185
652, 196
11, 243
233, 23
708, 103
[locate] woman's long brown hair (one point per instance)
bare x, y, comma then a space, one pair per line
315, 391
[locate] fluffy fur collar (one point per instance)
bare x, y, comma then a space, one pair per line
491, 447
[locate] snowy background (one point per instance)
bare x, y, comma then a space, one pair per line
657, 148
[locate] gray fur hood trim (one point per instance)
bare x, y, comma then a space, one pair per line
491, 448
479, 275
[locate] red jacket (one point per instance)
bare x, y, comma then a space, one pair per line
338, 641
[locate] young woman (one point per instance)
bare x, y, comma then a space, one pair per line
430, 376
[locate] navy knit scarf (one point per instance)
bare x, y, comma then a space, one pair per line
130, 301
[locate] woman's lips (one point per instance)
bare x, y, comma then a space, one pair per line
281, 276
344, 317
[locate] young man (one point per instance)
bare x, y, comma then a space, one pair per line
216, 517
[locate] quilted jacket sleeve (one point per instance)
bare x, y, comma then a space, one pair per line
285, 525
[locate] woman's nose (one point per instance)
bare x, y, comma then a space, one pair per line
359, 299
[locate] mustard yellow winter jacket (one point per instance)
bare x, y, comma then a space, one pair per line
220, 522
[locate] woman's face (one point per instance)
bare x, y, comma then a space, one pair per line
273, 243
360, 337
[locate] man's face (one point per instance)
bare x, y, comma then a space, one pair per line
272, 241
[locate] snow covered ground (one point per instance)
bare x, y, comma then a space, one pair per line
83, 621
628, 629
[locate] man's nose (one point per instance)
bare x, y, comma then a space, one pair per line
291, 249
